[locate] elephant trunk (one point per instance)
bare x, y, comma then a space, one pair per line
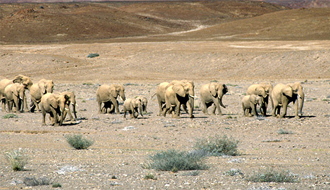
74, 110
301, 98
140, 110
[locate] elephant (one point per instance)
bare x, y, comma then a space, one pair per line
144, 102
212, 93
55, 105
298, 95
263, 90
73, 103
133, 106
38, 90
249, 104
106, 93
282, 95
14, 95
160, 93
175, 96
26, 81
188, 85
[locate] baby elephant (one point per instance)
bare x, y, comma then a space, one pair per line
133, 106
144, 102
250, 103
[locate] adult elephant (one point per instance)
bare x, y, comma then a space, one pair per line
106, 93
175, 96
14, 94
26, 81
282, 95
73, 103
212, 93
160, 93
38, 90
298, 95
54, 105
263, 90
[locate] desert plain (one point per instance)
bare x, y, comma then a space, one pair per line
140, 62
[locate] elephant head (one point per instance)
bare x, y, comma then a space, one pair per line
26, 81
218, 90
46, 86
180, 90
117, 90
298, 91
256, 100
137, 104
261, 91
62, 100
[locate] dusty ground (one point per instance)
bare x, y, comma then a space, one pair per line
140, 66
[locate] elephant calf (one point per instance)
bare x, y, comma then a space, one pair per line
249, 104
133, 106
144, 102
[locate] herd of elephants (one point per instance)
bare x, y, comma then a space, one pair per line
171, 97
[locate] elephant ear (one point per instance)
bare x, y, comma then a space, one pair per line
213, 89
18, 79
179, 90
223, 88
42, 87
253, 99
113, 91
54, 101
287, 91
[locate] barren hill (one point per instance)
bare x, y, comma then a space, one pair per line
63, 22
216, 20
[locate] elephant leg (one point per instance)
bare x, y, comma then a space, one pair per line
99, 103
115, 103
25, 107
9, 106
295, 105
43, 117
3, 103
191, 110
161, 107
204, 109
177, 111
16, 102
254, 110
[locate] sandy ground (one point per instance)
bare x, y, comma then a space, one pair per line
123, 145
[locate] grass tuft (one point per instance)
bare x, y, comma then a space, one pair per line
270, 175
10, 115
150, 176
17, 159
283, 131
173, 160
78, 142
216, 146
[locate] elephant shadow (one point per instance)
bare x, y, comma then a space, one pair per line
71, 123
301, 117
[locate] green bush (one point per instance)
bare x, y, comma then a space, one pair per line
150, 176
10, 115
17, 159
216, 146
56, 185
78, 142
173, 160
283, 131
269, 175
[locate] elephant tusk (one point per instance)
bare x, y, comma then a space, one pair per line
66, 109
192, 96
